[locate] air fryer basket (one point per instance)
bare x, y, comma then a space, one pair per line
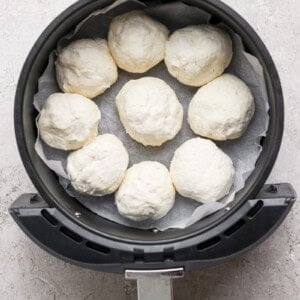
59, 224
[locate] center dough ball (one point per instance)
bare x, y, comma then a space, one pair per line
198, 54
136, 41
149, 110
201, 171
146, 192
68, 121
98, 168
86, 67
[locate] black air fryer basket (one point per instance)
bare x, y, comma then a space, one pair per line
68, 230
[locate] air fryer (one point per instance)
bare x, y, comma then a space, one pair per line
66, 229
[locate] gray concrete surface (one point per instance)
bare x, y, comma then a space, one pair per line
272, 271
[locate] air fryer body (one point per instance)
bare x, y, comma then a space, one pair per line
62, 226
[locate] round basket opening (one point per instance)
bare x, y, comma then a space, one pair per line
46, 181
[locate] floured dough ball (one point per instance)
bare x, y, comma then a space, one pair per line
146, 192
195, 55
201, 171
98, 168
222, 109
136, 41
149, 111
68, 121
86, 67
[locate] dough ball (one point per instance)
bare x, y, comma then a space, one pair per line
98, 168
149, 111
68, 121
136, 41
195, 55
222, 109
146, 192
86, 67
201, 171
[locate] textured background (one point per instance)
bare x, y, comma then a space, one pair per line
271, 271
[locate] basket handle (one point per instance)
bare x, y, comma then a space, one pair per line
154, 284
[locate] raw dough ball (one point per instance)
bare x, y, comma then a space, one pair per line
68, 121
222, 109
146, 192
198, 54
201, 171
86, 67
136, 41
98, 168
149, 111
